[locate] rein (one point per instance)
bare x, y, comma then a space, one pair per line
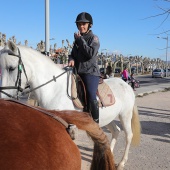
67, 69
76, 80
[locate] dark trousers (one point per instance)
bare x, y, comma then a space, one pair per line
125, 79
133, 85
91, 84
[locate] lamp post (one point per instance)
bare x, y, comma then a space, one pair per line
47, 29
166, 38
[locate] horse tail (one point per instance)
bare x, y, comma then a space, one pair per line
102, 156
136, 127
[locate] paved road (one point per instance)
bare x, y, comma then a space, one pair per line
147, 80
150, 85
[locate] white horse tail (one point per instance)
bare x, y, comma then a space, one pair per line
136, 127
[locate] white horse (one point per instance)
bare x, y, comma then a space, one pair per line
40, 69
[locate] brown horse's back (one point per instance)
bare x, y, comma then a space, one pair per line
31, 140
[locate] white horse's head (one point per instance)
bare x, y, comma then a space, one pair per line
9, 64
38, 68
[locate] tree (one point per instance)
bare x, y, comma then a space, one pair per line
163, 12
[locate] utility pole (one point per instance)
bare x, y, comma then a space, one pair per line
47, 32
166, 38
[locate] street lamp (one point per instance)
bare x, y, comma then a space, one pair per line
129, 55
166, 38
47, 27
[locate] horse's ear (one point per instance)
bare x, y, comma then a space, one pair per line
12, 46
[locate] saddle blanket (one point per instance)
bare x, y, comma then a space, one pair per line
104, 93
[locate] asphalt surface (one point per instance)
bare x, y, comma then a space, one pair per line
152, 87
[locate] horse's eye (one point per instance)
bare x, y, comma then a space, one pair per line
11, 69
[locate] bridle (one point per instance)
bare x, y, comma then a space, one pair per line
18, 81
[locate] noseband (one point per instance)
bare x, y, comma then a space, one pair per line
18, 81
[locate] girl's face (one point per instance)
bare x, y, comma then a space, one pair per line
83, 27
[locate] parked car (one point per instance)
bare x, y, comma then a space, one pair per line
158, 73
133, 70
168, 72
117, 70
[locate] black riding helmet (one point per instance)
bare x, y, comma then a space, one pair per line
84, 17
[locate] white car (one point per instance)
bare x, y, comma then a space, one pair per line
158, 73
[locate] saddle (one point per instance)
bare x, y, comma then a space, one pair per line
78, 93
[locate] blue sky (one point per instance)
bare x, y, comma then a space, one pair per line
120, 24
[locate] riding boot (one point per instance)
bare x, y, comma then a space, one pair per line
94, 108
87, 107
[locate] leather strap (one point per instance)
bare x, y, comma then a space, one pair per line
59, 119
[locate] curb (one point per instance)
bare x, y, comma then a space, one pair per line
154, 91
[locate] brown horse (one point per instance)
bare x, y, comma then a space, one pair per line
32, 140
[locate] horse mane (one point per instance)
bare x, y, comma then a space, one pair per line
30, 54
102, 156
12, 49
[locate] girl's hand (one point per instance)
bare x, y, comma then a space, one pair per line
77, 34
71, 63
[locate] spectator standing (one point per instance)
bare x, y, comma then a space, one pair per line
125, 74
109, 72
